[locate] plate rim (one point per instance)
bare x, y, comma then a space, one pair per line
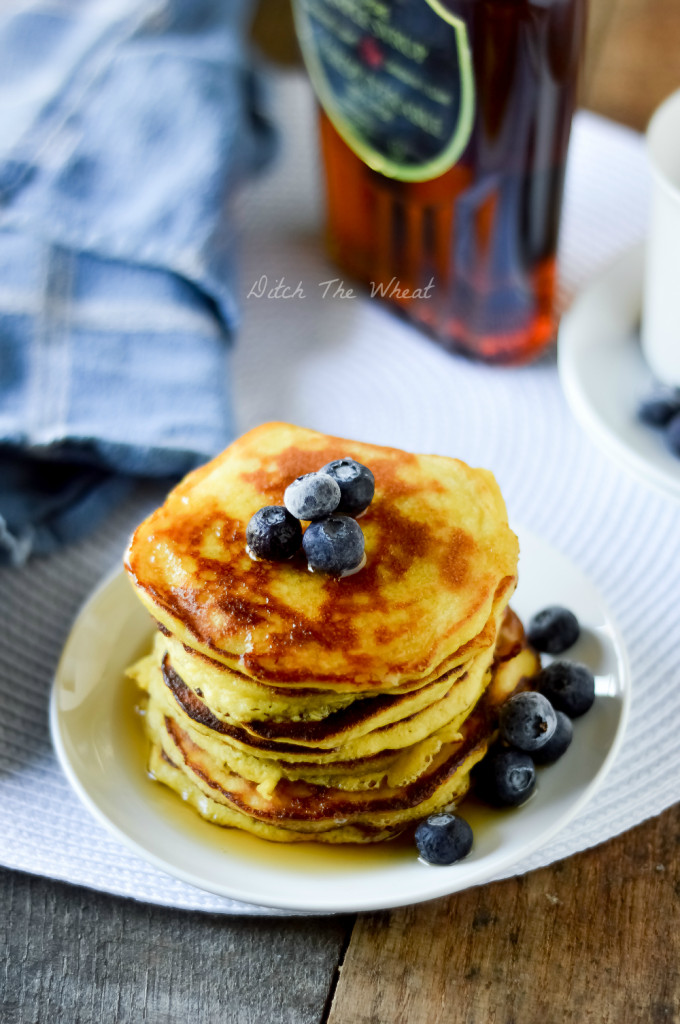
337, 904
627, 265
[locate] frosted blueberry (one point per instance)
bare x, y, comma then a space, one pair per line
506, 777
558, 743
273, 533
356, 482
312, 496
569, 686
527, 721
334, 545
443, 838
553, 630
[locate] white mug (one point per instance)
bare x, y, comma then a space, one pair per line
661, 306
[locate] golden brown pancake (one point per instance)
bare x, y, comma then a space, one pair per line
170, 694
300, 810
295, 705
438, 548
239, 697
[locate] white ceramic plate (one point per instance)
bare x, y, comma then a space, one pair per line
604, 375
99, 741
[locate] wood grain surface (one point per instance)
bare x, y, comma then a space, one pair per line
591, 940
633, 58
80, 957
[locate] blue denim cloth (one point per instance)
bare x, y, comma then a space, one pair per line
125, 126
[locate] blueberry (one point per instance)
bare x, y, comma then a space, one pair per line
569, 687
443, 839
553, 630
334, 545
357, 485
673, 434
312, 496
660, 408
557, 744
527, 721
506, 777
273, 533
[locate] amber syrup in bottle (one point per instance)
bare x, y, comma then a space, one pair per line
444, 132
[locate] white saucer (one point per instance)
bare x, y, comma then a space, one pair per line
604, 375
99, 741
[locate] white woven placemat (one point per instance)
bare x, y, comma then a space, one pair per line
348, 367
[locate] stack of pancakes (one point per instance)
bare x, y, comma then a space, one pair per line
299, 706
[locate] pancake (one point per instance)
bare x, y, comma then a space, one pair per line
398, 751
168, 693
336, 726
236, 697
296, 811
339, 728
295, 705
438, 549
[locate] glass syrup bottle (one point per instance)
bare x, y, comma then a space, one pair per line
444, 131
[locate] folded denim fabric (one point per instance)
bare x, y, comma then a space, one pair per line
125, 130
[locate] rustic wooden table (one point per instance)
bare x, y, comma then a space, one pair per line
591, 940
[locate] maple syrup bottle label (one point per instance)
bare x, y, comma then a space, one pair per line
395, 79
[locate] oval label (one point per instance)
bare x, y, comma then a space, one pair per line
394, 77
